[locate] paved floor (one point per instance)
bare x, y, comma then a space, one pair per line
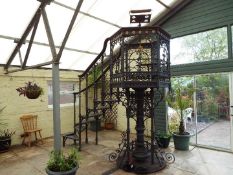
217, 135
21, 160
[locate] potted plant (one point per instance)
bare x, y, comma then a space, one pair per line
61, 164
5, 139
180, 99
163, 139
5, 136
109, 125
30, 90
110, 120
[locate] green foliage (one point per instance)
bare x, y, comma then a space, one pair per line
180, 99
162, 134
204, 46
210, 45
173, 127
6, 133
59, 162
30, 87
94, 74
212, 91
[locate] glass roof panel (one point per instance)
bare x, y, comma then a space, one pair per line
7, 47
16, 60
71, 3
15, 16
40, 35
76, 61
169, 2
88, 31
121, 17
88, 5
59, 20
38, 54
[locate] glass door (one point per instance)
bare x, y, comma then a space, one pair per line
213, 121
210, 119
231, 106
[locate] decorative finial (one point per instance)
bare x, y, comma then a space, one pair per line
140, 16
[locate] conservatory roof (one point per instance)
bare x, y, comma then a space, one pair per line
96, 20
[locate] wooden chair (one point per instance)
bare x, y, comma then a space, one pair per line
29, 123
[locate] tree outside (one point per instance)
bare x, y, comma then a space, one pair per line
204, 46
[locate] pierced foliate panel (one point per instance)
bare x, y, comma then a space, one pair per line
164, 57
144, 60
139, 59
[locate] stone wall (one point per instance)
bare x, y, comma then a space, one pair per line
17, 105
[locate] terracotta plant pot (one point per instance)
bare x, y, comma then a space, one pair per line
109, 126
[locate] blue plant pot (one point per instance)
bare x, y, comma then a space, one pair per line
181, 142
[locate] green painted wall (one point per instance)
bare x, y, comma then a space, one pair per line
200, 15
160, 117
214, 66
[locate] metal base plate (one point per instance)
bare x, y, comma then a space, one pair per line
142, 167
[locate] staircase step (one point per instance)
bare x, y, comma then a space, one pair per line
83, 126
99, 101
92, 115
95, 114
72, 136
102, 107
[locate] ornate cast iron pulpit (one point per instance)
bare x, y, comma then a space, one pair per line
140, 69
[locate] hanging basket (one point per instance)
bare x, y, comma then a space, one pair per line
31, 90
33, 94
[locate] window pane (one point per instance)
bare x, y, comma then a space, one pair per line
66, 96
204, 46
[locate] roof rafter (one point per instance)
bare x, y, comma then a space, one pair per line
163, 4
31, 40
49, 35
45, 44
